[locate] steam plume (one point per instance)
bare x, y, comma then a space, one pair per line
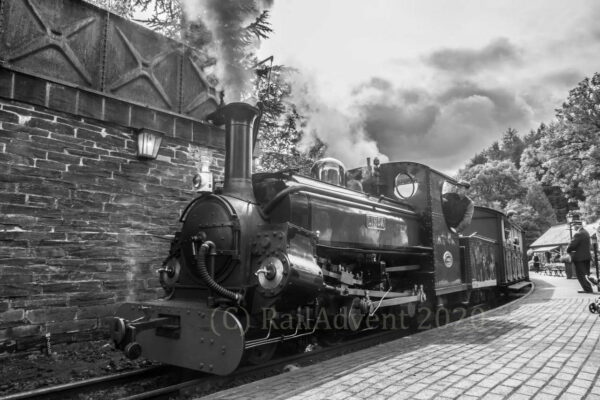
226, 19
343, 133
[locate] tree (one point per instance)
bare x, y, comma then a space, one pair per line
532, 139
569, 154
559, 202
558, 163
124, 8
512, 146
583, 104
526, 217
494, 152
590, 207
494, 183
282, 126
576, 148
479, 158
565, 153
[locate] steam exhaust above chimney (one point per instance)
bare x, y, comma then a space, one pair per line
239, 119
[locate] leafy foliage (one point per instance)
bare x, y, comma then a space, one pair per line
282, 126
512, 146
534, 213
569, 150
582, 107
552, 170
123, 8
494, 183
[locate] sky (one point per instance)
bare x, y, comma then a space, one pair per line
431, 81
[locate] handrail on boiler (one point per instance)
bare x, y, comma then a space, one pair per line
342, 196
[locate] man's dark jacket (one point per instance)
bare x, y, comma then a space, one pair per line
579, 248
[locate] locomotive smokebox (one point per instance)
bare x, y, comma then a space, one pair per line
239, 120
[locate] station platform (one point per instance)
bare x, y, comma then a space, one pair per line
545, 345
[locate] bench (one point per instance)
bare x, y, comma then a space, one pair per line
554, 269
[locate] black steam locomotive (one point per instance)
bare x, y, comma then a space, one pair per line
279, 256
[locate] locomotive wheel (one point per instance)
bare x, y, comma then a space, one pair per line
593, 308
260, 355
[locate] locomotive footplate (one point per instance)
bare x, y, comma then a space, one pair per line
180, 333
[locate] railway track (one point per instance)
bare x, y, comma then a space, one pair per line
81, 388
166, 382
211, 384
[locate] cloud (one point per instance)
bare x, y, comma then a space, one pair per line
383, 108
499, 52
568, 77
508, 108
440, 104
443, 126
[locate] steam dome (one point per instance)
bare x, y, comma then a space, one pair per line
329, 170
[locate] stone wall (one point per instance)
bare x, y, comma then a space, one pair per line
84, 224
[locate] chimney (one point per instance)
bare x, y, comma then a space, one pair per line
239, 120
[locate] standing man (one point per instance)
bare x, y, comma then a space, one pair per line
536, 263
579, 249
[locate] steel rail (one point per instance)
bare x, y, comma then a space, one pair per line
78, 385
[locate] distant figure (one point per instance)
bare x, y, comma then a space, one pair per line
458, 207
579, 249
536, 263
353, 181
594, 279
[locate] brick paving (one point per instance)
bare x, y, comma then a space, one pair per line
545, 346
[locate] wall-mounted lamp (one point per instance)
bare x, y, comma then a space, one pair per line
148, 143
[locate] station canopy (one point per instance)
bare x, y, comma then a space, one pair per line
559, 235
544, 249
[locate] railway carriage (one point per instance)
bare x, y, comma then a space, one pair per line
496, 244
276, 257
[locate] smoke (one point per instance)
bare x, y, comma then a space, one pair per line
343, 133
226, 19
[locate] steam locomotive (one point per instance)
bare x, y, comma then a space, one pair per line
276, 257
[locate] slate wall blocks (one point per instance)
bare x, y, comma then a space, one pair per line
84, 224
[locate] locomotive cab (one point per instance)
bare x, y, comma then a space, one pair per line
421, 187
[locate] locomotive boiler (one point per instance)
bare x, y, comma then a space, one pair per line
275, 257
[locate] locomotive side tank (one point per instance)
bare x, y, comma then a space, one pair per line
359, 241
